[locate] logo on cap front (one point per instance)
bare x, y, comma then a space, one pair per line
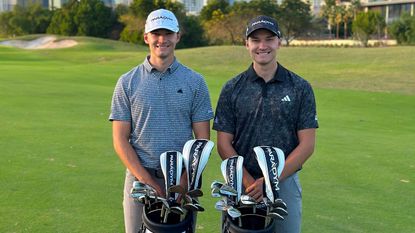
262, 21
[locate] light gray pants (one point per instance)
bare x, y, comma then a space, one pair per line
291, 194
133, 211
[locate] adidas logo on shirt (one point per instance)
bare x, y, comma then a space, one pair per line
286, 99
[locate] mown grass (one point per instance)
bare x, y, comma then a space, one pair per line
58, 171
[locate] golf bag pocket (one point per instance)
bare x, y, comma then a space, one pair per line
154, 221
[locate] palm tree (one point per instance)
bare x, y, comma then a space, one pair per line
347, 16
328, 12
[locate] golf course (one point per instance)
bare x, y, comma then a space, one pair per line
59, 172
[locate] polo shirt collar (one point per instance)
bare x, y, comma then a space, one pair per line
279, 75
149, 68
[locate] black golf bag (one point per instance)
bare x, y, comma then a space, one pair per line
153, 223
249, 222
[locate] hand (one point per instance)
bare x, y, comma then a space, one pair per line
159, 190
255, 190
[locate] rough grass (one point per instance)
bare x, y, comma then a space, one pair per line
58, 171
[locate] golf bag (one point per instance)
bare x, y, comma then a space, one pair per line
262, 217
249, 222
152, 221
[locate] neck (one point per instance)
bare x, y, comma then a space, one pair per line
266, 72
161, 64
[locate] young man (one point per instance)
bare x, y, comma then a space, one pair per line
268, 105
155, 108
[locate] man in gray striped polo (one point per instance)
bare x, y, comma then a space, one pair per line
156, 107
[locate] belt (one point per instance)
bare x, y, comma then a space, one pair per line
155, 172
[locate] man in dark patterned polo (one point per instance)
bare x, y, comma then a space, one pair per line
268, 105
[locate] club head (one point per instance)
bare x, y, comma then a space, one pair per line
221, 205
137, 185
216, 184
233, 212
195, 193
279, 211
275, 215
228, 190
279, 203
215, 192
199, 207
137, 195
247, 200
190, 207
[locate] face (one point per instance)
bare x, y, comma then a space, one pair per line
262, 46
161, 43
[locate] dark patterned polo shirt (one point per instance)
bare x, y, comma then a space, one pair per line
265, 114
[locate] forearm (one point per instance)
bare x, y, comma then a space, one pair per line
129, 158
201, 130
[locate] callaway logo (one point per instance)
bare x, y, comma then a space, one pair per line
195, 160
274, 169
161, 17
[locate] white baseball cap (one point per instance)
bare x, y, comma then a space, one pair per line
161, 19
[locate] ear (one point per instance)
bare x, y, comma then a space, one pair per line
246, 43
146, 38
178, 36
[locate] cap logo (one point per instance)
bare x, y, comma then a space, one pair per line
262, 21
161, 17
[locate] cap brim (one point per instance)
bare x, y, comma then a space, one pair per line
253, 29
161, 27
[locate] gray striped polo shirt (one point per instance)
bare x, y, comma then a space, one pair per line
161, 108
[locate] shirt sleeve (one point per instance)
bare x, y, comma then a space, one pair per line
225, 115
308, 113
201, 106
120, 105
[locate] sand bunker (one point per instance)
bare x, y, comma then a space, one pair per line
46, 42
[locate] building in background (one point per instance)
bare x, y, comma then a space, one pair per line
390, 9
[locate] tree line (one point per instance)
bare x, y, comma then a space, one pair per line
218, 22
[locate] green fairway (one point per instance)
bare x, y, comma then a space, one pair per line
59, 173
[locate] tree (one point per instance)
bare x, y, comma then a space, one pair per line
294, 18
339, 11
366, 24
141, 8
25, 20
347, 17
225, 28
192, 33
329, 13
403, 30
256, 7
93, 18
6, 29
63, 22
206, 13
133, 30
